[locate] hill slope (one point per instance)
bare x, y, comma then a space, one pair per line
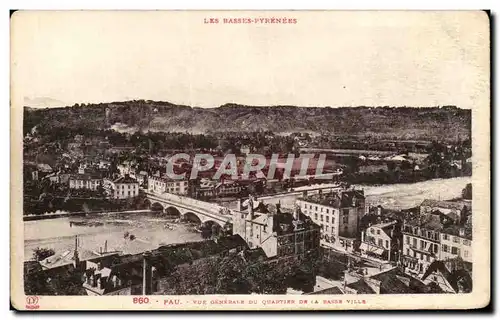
443, 123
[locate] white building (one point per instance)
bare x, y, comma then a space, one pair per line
337, 212
84, 181
162, 185
379, 240
456, 242
123, 188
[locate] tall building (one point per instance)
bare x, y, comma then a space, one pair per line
421, 241
337, 211
277, 233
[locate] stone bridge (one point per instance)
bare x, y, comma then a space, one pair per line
191, 209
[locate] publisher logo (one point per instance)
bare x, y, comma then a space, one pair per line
32, 302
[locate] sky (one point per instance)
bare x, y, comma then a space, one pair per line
335, 59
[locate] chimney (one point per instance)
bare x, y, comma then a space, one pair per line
147, 274
106, 246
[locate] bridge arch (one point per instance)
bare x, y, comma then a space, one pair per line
173, 211
191, 217
157, 206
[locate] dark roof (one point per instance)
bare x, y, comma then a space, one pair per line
333, 290
125, 179
394, 281
452, 277
361, 287
430, 222
336, 198
456, 229
232, 241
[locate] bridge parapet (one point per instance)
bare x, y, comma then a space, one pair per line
203, 206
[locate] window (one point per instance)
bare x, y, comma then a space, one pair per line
345, 211
427, 258
445, 248
415, 242
327, 219
422, 244
327, 210
345, 219
466, 253
436, 248
380, 243
466, 242
372, 231
316, 208
387, 243
326, 228
321, 217
454, 250
321, 209
407, 239
407, 252
378, 231
315, 216
456, 240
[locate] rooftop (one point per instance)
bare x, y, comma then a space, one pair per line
457, 205
336, 198
456, 230
125, 179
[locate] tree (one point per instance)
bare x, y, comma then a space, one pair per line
467, 192
41, 253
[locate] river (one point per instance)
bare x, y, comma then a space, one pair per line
150, 231
395, 196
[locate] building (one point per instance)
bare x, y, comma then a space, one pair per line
148, 273
85, 181
452, 276
78, 258
456, 210
337, 212
392, 281
421, 242
277, 233
141, 177
163, 184
228, 188
123, 187
382, 241
456, 242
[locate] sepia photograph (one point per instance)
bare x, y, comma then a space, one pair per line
240, 160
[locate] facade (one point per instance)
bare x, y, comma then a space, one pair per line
381, 241
228, 188
278, 234
162, 185
421, 242
456, 242
337, 212
84, 181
